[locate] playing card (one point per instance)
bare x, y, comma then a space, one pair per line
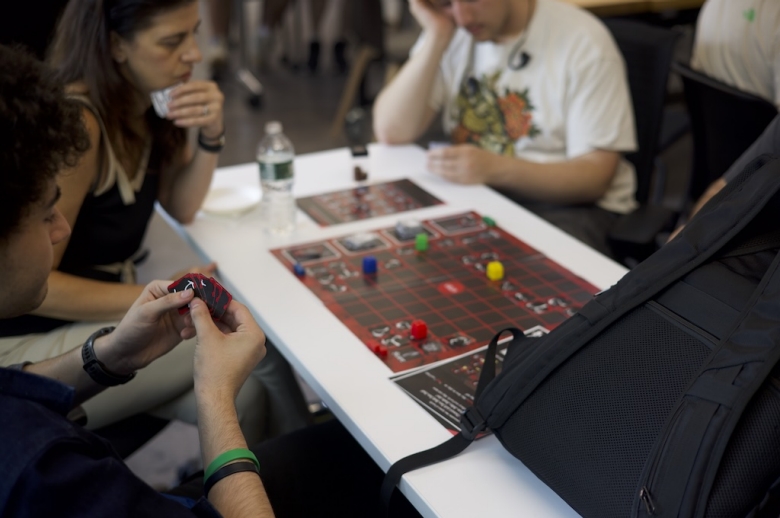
160, 100
200, 286
208, 289
180, 285
222, 299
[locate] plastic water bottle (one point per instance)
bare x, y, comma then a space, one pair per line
275, 155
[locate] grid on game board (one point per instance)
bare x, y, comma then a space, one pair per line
445, 287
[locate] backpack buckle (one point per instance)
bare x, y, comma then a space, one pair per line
472, 423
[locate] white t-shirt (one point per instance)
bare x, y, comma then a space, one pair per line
738, 42
569, 99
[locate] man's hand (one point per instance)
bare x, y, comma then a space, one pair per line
432, 18
150, 329
227, 351
464, 163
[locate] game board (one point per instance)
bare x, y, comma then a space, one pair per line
366, 201
445, 287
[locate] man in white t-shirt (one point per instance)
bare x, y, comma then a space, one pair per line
738, 42
535, 97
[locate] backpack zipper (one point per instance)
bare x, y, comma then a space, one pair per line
647, 499
644, 493
708, 339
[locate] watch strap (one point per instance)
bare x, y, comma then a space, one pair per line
95, 368
211, 145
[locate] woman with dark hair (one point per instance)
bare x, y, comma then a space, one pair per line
112, 55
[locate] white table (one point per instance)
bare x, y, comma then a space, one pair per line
484, 480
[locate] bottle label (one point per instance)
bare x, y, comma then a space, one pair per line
271, 171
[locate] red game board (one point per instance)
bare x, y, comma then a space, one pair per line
366, 201
445, 286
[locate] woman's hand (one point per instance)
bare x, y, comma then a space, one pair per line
198, 104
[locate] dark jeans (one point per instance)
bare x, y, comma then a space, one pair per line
317, 471
587, 223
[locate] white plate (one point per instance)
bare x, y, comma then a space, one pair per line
231, 201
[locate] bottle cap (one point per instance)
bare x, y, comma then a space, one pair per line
273, 127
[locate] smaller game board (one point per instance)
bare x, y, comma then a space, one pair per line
382, 284
366, 201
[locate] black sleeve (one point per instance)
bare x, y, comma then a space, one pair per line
71, 479
768, 142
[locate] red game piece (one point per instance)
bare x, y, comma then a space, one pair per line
374, 346
382, 351
419, 330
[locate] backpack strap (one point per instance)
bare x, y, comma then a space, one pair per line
472, 423
683, 465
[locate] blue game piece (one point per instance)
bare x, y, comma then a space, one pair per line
369, 265
299, 270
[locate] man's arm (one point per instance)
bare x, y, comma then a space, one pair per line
401, 111
149, 330
583, 179
767, 143
225, 355
224, 358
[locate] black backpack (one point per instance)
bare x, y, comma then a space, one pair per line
661, 397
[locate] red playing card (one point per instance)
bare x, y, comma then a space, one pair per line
197, 279
222, 299
208, 289
180, 285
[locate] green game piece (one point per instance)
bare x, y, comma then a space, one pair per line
421, 242
489, 221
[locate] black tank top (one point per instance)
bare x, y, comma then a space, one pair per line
108, 230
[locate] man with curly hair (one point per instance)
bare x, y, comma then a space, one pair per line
54, 467
534, 96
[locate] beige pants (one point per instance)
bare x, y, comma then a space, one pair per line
163, 389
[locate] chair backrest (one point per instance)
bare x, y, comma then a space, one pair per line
725, 121
647, 51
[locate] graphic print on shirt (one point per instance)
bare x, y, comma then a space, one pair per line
490, 120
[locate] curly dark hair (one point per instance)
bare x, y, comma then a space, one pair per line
40, 133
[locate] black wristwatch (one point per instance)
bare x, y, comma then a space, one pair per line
95, 368
212, 145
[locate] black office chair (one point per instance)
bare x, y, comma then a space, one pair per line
725, 122
647, 51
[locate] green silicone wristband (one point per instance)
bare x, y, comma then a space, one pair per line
229, 456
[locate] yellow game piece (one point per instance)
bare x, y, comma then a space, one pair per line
495, 271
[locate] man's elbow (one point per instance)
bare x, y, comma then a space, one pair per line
603, 169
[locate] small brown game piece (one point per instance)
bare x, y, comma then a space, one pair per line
360, 174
